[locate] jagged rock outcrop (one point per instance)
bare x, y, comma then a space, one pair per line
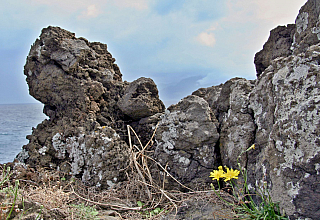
230, 103
307, 27
82, 90
278, 45
291, 39
89, 107
279, 112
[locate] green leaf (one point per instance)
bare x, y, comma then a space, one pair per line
157, 210
140, 204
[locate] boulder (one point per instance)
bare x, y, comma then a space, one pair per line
206, 206
141, 99
186, 141
279, 112
285, 104
278, 45
307, 27
230, 102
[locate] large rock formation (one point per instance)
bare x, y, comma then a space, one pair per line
82, 91
140, 99
230, 103
89, 107
279, 112
286, 103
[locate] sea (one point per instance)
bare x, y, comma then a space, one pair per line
16, 122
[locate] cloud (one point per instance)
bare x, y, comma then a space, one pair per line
206, 39
247, 23
63, 5
73, 5
206, 10
91, 12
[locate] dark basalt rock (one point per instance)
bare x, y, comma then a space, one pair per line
186, 141
291, 39
80, 85
141, 99
278, 45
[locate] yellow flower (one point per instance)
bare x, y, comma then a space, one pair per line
250, 148
217, 174
231, 174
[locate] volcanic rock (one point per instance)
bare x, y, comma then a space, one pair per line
279, 112
293, 38
141, 99
186, 141
80, 86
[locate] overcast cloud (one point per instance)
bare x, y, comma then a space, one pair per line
182, 45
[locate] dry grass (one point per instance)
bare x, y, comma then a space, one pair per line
56, 190
50, 197
54, 194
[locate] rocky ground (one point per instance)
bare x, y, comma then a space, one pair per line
49, 194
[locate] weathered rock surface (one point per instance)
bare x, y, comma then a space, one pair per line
307, 27
186, 141
230, 102
278, 45
81, 87
207, 207
291, 39
89, 107
141, 99
286, 104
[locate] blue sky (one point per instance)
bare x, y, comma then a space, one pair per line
182, 45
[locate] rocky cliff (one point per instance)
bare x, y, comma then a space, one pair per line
89, 107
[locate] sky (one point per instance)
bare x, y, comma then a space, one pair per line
182, 45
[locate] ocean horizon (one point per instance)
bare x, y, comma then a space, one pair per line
16, 122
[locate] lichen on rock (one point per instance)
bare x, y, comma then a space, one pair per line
186, 140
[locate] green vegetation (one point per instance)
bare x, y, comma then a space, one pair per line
9, 193
84, 212
246, 207
149, 213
